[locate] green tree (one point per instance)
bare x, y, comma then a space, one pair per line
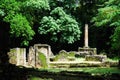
20, 28
109, 15
34, 10
60, 26
19, 25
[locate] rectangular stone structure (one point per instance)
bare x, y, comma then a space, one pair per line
86, 36
21, 56
100, 58
17, 56
42, 49
90, 51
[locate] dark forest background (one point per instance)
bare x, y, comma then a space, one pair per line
60, 23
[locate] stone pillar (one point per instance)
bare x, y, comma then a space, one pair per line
86, 36
31, 57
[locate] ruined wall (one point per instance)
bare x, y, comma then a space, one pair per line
17, 56
38, 56
31, 57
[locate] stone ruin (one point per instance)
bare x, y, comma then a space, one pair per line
40, 55
19, 57
90, 54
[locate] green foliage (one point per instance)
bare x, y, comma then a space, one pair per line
60, 26
19, 27
1, 13
34, 10
9, 8
109, 15
116, 39
37, 4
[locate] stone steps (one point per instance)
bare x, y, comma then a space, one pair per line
59, 64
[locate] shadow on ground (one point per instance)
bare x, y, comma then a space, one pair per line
12, 72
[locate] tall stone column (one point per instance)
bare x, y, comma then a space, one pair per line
86, 36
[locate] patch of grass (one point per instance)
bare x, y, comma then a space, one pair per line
38, 78
92, 70
98, 70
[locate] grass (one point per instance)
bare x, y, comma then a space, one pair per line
98, 70
74, 72
91, 70
37, 78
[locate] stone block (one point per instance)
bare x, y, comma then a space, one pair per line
12, 56
90, 51
17, 56
100, 58
31, 57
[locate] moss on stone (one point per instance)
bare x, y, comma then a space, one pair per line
61, 56
64, 56
71, 54
43, 60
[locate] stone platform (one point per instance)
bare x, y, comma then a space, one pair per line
75, 64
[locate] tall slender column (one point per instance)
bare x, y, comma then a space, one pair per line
86, 36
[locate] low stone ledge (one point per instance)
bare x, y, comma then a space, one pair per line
100, 58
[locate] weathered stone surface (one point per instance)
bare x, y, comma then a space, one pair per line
87, 51
46, 51
71, 55
65, 56
21, 56
44, 48
42, 60
38, 56
12, 56
86, 36
17, 56
62, 56
31, 57
100, 58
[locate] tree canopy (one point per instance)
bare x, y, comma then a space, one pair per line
62, 21
109, 15
60, 26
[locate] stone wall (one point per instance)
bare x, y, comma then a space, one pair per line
38, 56
87, 51
42, 49
12, 56
31, 57
17, 56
